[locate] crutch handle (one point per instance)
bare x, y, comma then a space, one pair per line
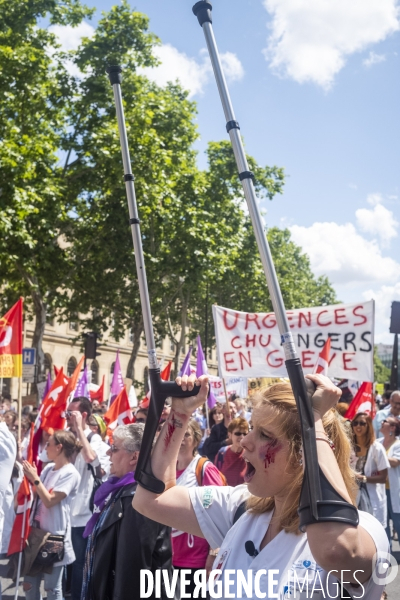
160, 391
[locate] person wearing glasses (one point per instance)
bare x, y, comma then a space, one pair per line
192, 470
390, 429
120, 541
371, 465
229, 459
393, 410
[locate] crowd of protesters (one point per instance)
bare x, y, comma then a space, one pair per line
84, 482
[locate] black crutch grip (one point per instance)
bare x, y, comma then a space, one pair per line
160, 391
202, 10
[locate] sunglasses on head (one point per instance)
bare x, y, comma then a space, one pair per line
359, 424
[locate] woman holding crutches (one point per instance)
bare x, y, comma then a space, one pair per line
267, 536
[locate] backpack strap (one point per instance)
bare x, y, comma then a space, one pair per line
200, 469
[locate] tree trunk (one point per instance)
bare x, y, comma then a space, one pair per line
137, 330
40, 312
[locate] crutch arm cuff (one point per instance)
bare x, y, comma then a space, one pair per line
331, 508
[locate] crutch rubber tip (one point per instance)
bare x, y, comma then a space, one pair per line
202, 10
114, 74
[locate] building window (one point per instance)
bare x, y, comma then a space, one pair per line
112, 368
50, 320
172, 347
146, 380
131, 336
47, 364
71, 366
95, 372
73, 325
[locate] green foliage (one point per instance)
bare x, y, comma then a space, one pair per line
65, 240
381, 373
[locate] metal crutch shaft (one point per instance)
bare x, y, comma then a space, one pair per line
160, 390
311, 492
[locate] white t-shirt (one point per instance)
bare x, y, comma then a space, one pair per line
287, 553
377, 461
80, 506
57, 519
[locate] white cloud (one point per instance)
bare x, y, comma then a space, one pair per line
383, 296
373, 59
70, 38
342, 254
374, 199
193, 74
311, 39
378, 221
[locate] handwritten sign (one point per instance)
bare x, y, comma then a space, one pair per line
249, 344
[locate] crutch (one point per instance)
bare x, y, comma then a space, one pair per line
319, 501
160, 390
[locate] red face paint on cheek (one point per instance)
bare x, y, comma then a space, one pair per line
269, 451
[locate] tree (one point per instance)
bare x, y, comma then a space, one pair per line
35, 90
381, 373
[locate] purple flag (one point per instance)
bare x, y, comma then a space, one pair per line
82, 389
117, 384
201, 369
185, 368
48, 386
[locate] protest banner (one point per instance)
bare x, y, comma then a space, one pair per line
249, 344
234, 385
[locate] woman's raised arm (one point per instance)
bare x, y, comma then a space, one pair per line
173, 507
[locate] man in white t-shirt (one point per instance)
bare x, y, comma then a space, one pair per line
87, 462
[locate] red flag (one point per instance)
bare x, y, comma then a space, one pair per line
119, 412
165, 375
54, 405
323, 359
20, 530
11, 341
56, 370
99, 395
362, 402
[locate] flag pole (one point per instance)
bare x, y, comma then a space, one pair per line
20, 552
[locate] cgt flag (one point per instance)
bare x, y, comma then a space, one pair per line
362, 402
20, 530
119, 413
11, 341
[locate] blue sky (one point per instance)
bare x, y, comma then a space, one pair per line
315, 87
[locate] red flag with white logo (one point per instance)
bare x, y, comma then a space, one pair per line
362, 402
20, 530
119, 412
323, 359
11, 341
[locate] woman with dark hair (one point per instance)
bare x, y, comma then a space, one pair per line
215, 416
390, 429
54, 491
265, 545
371, 465
192, 470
